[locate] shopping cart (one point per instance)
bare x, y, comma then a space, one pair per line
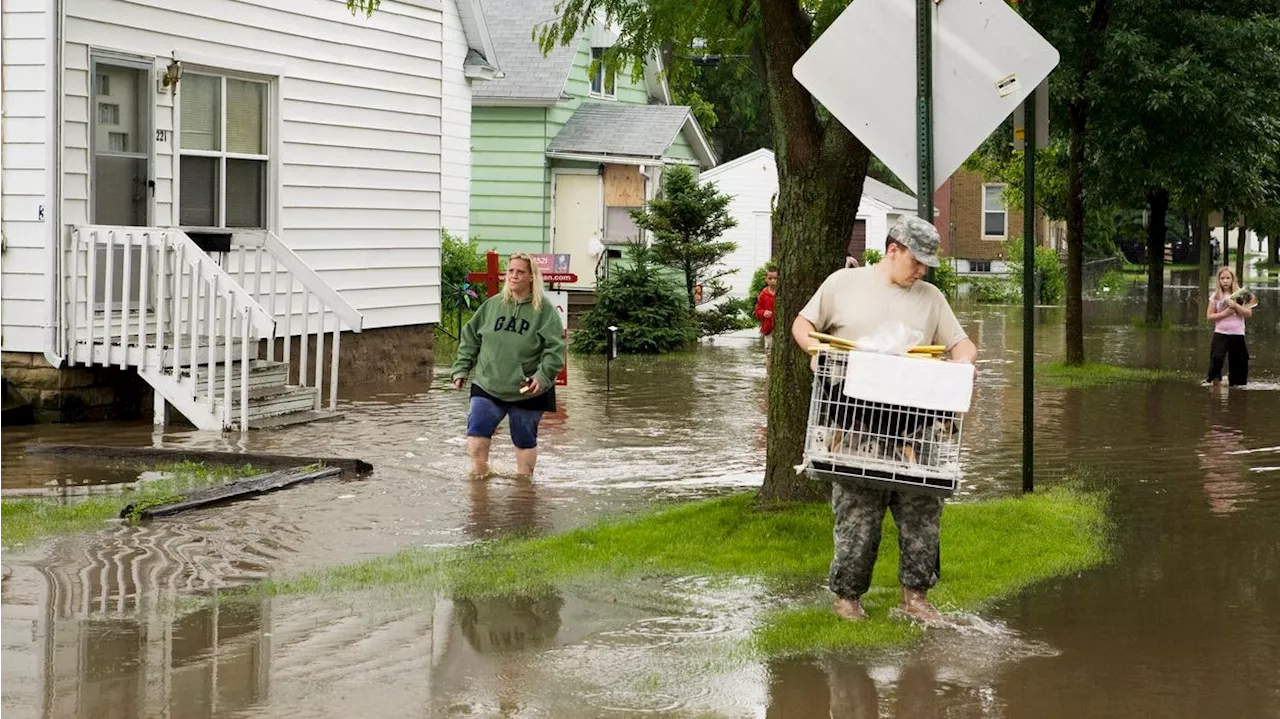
887, 421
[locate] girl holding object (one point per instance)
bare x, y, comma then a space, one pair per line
1228, 316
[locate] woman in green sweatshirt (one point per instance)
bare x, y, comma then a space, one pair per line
512, 349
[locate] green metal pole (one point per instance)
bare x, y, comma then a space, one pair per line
924, 110
1029, 294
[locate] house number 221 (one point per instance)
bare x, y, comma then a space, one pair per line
162, 135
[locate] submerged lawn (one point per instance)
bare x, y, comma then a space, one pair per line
29, 519
1094, 374
990, 549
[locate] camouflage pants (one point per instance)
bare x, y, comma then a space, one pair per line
859, 514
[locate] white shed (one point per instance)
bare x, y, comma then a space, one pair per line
752, 181
284, 160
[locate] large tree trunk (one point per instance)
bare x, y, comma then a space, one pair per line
820, 176
1273, 247
1226, 237
1157, 234
1075, 235
1241, 244
815, 216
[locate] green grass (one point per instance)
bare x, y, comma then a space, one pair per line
29, 519
991, 549
1095, 374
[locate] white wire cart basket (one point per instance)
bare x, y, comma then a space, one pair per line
887, 421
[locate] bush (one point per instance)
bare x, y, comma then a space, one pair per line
457, 258
994, 290
1114, 282
945, 277
727, 316
1051, 279
870, 257
650, 310
757, 282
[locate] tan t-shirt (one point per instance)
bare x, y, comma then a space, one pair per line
853, 303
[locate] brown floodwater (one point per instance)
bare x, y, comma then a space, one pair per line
1180, 623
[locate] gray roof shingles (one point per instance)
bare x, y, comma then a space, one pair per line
616, 129
529, 75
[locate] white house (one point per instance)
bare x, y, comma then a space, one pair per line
191, 188
752, 181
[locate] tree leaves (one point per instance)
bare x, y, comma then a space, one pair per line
686, 222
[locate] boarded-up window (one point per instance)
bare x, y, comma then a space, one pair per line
623, 192
858, 242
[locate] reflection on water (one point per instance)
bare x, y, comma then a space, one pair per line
1179, 624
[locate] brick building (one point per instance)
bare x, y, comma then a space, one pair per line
975, 223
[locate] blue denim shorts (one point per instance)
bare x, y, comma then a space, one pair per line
486, 414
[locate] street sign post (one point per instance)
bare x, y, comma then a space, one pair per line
986, 60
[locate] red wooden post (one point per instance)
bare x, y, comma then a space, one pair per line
491, 277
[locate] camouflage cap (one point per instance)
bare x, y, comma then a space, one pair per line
918, 236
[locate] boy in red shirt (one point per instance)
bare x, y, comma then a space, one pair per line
764, 313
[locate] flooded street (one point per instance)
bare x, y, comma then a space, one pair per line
1180, 623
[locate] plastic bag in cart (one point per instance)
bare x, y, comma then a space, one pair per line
891, 338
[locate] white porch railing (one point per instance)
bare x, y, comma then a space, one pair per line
302, 304
151, 298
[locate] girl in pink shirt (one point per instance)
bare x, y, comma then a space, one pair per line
1228, 318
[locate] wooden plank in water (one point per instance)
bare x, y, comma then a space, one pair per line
248, 487
153, 455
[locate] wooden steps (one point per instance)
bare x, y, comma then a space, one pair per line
231, 491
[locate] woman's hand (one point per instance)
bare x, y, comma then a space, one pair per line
458, 382
535, 387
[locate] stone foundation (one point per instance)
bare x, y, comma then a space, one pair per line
386, 354
75, 394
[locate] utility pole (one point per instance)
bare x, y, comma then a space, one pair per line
1029, 294
924, 110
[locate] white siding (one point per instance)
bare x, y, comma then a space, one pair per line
752, 181
357, 157
456, 127
28, 182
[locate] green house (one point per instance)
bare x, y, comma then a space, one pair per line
559, 154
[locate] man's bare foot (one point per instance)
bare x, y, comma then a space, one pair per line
915, 604
849, 609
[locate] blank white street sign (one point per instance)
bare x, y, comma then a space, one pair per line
986, 61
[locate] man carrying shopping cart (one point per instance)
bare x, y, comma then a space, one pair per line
853, 303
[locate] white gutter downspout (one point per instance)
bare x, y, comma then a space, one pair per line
52, 302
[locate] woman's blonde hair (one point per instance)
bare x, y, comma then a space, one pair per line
535, 289
1217, 286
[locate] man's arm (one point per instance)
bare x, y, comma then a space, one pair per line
964, 351
800, 330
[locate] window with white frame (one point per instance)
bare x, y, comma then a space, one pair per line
224, 152
995, 217
603, 84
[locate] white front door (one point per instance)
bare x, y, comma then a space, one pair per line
578, 219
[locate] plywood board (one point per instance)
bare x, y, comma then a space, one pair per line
623, 186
